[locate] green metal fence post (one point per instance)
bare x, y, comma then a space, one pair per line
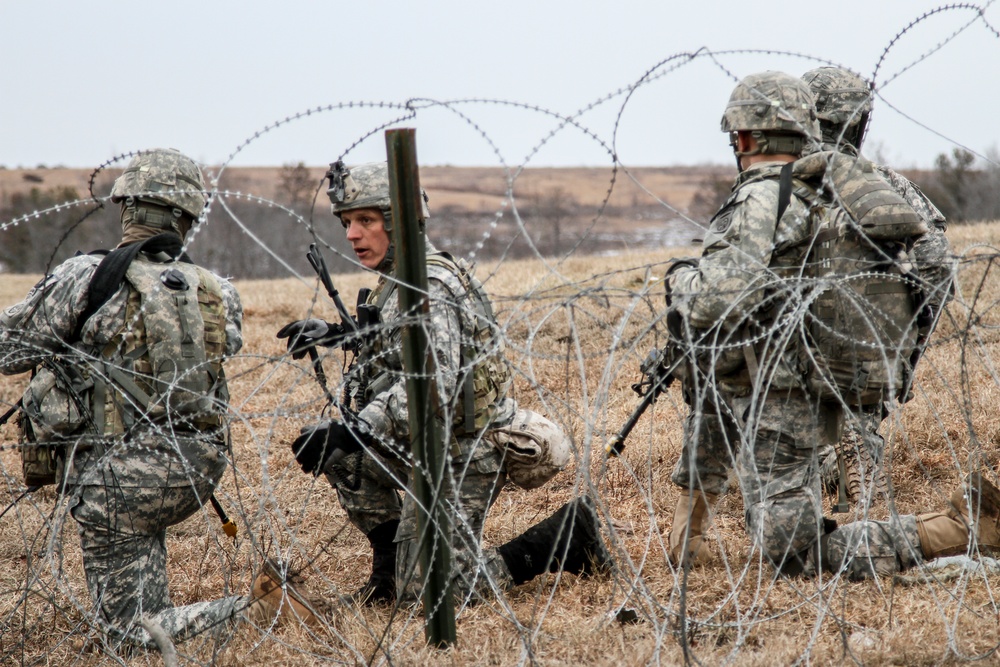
430, 460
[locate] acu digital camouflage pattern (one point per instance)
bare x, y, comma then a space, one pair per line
711, 440
179, 322
746, 274
772, 101
369, 485
163, 175
124, 492
364, 186
843, 104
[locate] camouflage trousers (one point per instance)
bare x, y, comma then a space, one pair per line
779, 477
374, 489
123, 503
777, 442
711, 438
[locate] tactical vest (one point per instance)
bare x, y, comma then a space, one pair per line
484, 377
861, 327
165, 365
162, 368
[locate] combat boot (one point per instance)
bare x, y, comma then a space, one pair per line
381, 585
687, 541
947, 533
568, 541
275, 600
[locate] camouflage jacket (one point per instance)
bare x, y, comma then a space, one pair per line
743, 254
44, 322
377, 380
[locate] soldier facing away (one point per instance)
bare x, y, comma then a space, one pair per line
129, 396
365, 454
760, 315
843, 108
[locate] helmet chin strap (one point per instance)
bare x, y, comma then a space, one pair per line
387, 263
738, 154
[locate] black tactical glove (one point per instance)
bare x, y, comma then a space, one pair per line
304, 335
316, 445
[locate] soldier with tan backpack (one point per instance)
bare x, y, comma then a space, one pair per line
802, 307
126, 409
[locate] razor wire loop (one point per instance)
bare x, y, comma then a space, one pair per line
538, 307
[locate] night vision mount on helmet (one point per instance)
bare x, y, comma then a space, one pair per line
363, 186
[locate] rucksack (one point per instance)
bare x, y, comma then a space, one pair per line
861, 324
163, 367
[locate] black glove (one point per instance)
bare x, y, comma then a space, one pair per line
304, 335
316, 445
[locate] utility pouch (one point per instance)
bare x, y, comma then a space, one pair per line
55, 404
55, 411
39, 461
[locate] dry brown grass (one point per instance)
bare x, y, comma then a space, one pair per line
577, 331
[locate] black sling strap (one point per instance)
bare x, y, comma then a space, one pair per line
111, 271
784, 189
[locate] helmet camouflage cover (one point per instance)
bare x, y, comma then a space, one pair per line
772, 102
164, 176
364, 186
843, 100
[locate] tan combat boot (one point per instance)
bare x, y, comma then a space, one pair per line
690, 521
275, 602
947, 533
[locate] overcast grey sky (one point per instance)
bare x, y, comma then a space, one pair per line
85, 81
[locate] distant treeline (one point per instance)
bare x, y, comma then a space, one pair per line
247, 239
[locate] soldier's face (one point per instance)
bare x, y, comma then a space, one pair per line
367, 236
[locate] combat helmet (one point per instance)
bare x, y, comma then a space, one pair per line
843, 104
363, 186
778, 109
165, 177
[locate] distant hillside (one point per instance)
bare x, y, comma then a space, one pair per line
481, 210
466, 188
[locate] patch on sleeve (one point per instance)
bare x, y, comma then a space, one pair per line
720, 223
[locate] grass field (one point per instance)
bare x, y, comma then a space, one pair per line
576, 333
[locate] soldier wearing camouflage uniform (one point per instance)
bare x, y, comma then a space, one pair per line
843, 107
153, 446
739, 302
366, 455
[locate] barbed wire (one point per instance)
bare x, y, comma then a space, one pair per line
575, 326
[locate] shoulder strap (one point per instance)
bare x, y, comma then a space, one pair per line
784, 189
110, 272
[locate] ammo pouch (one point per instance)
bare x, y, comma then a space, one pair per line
40, 463
55, 412
533, 447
